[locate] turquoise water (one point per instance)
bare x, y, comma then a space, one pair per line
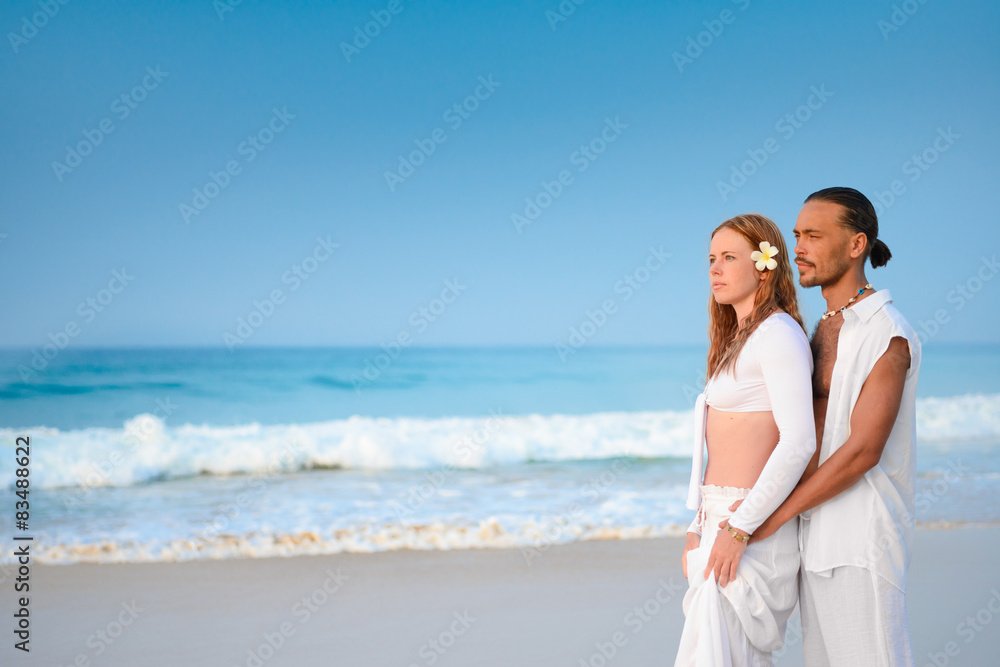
166, 454
105, 387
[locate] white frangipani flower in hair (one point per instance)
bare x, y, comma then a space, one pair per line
765, 256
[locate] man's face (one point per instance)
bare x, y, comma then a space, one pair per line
822, 245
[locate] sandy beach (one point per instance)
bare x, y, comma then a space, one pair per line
587, 603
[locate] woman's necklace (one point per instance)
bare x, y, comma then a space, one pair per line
853, 299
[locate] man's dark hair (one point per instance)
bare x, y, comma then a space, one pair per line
859, 216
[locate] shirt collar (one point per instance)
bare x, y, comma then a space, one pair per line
867, 307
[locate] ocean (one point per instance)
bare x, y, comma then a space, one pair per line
187, 453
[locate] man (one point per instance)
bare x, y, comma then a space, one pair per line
856, 496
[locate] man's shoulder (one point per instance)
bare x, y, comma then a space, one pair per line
889, 321
879, 313
884, 325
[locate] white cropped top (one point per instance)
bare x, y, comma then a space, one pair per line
772, 373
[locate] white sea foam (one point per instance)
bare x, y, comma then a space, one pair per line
533, 538
970, 417
146, 450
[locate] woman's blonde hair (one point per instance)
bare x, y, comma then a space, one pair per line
776, 291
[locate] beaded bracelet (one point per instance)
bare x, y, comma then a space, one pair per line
741, 538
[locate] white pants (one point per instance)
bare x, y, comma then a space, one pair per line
851, 616
744, 622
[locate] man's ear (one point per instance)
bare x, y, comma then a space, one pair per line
859, 243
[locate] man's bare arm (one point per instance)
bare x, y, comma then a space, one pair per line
871, 423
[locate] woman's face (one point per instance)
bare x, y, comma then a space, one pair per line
732, 275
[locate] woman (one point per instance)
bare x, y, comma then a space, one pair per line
756, 417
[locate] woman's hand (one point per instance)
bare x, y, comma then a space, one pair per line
692, 542
726, 554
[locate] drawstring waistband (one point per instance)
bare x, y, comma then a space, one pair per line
734, 492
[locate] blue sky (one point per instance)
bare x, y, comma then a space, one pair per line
202, 85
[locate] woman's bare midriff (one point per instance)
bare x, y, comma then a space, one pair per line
739, 444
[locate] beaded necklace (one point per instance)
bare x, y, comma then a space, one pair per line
853, 299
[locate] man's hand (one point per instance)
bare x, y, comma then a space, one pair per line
693, 541
726, 554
